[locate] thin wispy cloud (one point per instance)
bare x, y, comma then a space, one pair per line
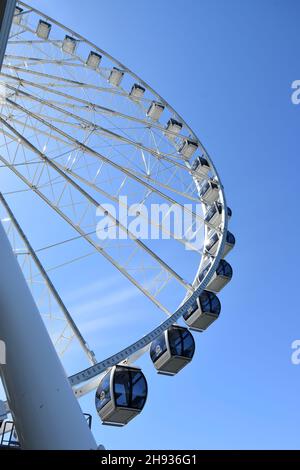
92, 288
96, 306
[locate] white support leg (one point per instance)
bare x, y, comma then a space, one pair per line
45, 410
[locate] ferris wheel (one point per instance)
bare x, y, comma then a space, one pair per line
87, 139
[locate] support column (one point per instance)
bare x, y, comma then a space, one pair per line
44, 408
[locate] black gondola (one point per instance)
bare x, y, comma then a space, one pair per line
121, 395
221, 276
205, 310
173, 350
212, 244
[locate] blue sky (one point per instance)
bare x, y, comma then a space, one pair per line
227, 67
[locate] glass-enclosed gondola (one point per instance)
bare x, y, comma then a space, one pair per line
220, 278
188, 148
212, 244
18, 16
209, 191
173, 128
121, 395
200, 164
43, 29
204, 311
69, 45
137, 91
214, 214
173, 350
155, 110
93, 60
116, 76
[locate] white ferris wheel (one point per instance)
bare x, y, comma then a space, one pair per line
84, 137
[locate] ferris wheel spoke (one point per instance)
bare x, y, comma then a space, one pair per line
97, 205
87, 182
101, 130
99, 71
93, 152
69, 182
38, 61
83, 234
70, 324
32, 42
148, 176
68, 81
18, 34
110, 58
37, 130
97, 107
98, 130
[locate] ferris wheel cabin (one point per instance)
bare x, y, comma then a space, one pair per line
43, 29
212, 244
121, 395
188, 148
18, 15
205, 310
116, 76
173, 350
93, 60
209, 191
214, 214
155, 110
200, 165
173, 128
137, 91
69, 45
220, 278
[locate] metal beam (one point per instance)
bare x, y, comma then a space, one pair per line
99, 156
90, 354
